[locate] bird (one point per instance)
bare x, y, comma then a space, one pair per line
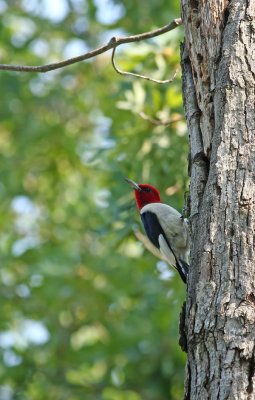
165, 227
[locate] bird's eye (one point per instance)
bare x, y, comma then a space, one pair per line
147, 189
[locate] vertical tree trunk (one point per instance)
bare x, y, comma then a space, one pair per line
218, 62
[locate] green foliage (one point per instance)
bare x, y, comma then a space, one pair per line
85, 312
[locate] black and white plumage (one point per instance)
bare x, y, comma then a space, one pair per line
168, 231
165, 227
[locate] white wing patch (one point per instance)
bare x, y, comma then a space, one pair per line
165, 251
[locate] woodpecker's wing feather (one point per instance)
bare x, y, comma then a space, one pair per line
173, 227
152, 227
168, 231
166, 251
157, 236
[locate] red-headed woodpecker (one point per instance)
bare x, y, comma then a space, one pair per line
165, 227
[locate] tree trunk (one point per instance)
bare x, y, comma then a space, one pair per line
218, 62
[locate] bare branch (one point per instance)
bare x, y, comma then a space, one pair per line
112, 44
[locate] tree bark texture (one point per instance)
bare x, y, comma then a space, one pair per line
218, 63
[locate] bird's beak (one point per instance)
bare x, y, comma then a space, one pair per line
133, 184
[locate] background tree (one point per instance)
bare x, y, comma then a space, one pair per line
219, 82
86, 313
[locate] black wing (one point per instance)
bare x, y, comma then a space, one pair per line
153, 229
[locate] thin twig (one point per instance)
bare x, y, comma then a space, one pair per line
158, 121
112, 44
147, 78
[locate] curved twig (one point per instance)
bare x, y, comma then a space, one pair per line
147, 78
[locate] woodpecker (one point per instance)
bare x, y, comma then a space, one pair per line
165, 227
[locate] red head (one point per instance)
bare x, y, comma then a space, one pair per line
144, 194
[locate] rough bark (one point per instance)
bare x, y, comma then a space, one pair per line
218, 62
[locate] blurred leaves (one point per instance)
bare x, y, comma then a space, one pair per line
72, 268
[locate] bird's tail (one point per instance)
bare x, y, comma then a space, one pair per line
183, 269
